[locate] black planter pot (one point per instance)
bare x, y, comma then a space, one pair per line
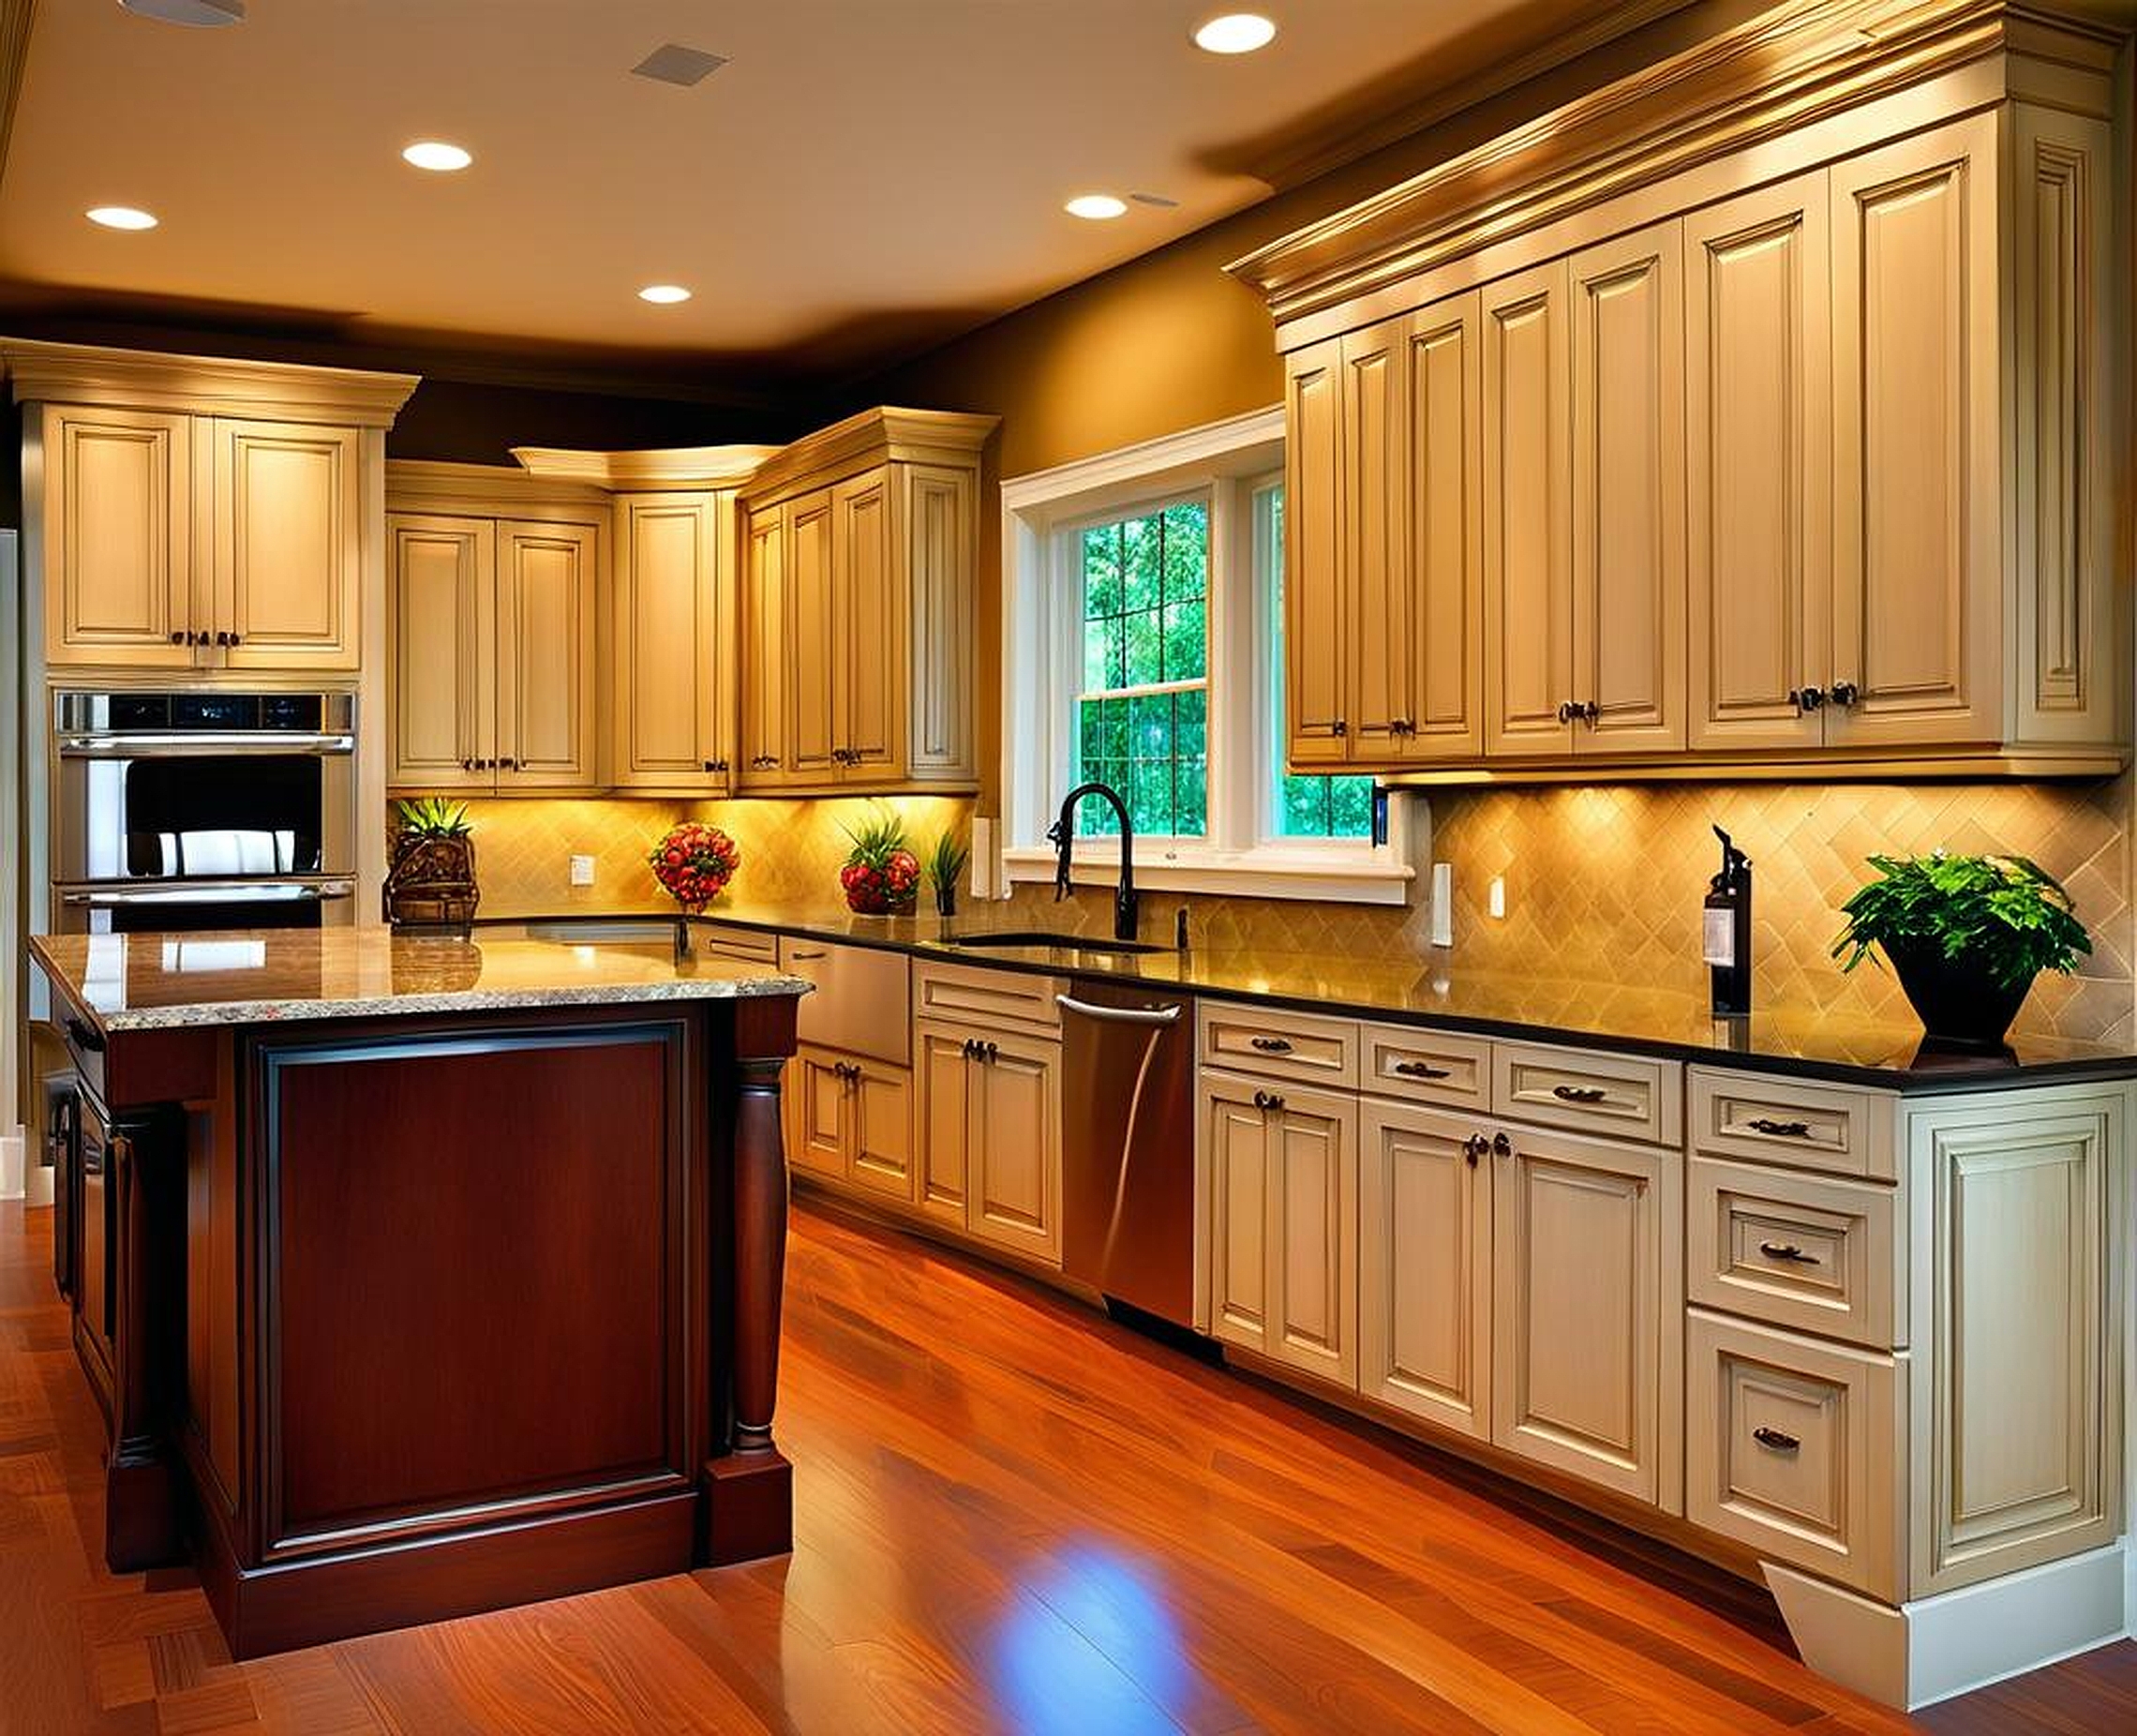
1957, 1001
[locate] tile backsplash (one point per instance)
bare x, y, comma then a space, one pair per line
1603, 882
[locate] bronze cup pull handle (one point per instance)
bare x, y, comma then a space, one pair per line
1789, 1251
1577, 1094
1774, 1438
1417, 1069
1779, 1130
1269, 1045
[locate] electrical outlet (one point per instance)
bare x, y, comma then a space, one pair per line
1498, 896
582, 871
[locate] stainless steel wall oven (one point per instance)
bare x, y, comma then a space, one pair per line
177, 810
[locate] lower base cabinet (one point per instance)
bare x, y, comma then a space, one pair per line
1281, 1166
989, 1121
849, 1118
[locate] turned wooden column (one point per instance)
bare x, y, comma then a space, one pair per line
750, 1487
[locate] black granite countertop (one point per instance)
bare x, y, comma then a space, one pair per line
1432, 989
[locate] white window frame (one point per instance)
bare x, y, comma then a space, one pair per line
1226, 463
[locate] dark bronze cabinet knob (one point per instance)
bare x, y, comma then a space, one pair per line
178, 636
1807, 699
1845, 694
1474, 1146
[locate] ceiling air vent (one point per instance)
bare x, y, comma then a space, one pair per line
673, 63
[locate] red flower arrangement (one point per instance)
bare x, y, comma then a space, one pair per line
881, 876
695, 863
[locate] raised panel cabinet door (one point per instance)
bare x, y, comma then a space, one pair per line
1528, 514
761, 761
816, 1110
1758, 480
2016, 1417
1443, 470
1628, 492
1918, 623
674, 643
1577, 1308
1425, 1266
1015, 1175
288, 544
442, 639
1316, 713
1235, 1160
879, 1153
1378, 597
1313, 1233
810, 670
868, 630
940, 509
118, 529
547, 581
942, 1119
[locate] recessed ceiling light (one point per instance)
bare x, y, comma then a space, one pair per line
1096, 206
211, 13
663, 295
434, 154
120, 217
1236, 32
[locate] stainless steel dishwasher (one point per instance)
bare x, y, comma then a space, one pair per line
1127, 1146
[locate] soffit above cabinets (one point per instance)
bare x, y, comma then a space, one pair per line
857, 181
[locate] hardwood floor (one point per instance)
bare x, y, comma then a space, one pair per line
1010, 1515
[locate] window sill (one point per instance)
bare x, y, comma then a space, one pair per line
1323, 876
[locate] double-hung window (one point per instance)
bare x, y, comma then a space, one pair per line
1143, 650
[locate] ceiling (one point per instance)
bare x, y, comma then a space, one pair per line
862, 178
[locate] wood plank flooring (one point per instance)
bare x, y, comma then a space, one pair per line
1012, 1516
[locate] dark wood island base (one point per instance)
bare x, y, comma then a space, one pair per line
419, 1313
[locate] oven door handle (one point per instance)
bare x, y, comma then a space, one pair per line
213, 893
100, 744
1119, 1015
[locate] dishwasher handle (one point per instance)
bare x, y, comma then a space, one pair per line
1120, 1015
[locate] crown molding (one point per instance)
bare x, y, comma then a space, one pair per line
433, 484
1799, 64
676, 467
50, 373
873, 437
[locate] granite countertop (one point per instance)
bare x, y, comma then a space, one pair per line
139, 982
1431, 990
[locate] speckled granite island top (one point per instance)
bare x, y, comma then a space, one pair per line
140, 983
1431, 990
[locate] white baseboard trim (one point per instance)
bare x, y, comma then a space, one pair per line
1935, 1647
13, 1171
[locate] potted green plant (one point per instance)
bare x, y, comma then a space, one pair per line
1965, 934
430, 870
881, 876
945, 867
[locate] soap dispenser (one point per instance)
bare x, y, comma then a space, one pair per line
1727, 931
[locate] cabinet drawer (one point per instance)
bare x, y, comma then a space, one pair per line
1799, 1250
748, 946
860, 1003
1620, 1095
1792, 1448
973, 995
1427, 1067
1279, 1045
1808, 1126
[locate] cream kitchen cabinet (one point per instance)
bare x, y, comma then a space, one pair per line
197, 542
1281, 1170
1795, 455
492, 642
1383, 592
990, 1114
857, 604
674, 717
850, 1118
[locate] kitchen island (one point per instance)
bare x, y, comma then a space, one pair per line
423, 1277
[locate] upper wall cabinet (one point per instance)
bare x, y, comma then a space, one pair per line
1789, 437
856, 607
493, 631
675, 668
196, 514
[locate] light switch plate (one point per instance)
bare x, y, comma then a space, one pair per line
582, 871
